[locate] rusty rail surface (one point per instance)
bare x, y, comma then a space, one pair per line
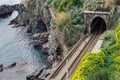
74, 64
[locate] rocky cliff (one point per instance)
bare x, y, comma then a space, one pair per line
6, 10
36, 16
30, 16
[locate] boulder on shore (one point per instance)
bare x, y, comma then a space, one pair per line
11, 66
5, 10
1, 68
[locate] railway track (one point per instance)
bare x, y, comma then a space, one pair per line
86, 49
68, 66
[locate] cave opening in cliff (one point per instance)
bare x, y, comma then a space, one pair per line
98, 25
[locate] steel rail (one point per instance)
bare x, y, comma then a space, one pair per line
78, 58
74, 64
67, 57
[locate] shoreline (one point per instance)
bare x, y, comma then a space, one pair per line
17, 69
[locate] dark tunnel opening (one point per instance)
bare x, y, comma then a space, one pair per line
98, 25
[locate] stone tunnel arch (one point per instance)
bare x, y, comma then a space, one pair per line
91, 17
98, 25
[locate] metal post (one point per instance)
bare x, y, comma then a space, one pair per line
67, 69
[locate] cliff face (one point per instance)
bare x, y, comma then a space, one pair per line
37, 16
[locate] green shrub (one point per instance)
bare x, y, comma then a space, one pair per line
91, 5
108, 38
100, 66
118, 35
90, 64
65, 5
74, 32
102, 74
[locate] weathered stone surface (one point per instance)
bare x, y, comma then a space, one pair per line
31, 16
4, 9
39, 75
36, 36
51, 59
90, 15
39, 39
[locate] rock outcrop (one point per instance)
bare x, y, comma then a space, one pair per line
11, 66
1, 68
5, 10
38, 39
39, 75
36, 16
32, 17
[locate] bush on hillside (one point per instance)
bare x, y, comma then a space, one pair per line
103, 65
108, 38
90, 64
118, 35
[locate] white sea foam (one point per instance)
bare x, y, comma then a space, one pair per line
9, 2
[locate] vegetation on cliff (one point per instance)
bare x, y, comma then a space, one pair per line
63, 20
118, 35
103, 65
68, 19
68, 16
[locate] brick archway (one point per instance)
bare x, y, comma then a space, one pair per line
91, 15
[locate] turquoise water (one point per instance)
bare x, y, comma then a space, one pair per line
14, 44
14, 47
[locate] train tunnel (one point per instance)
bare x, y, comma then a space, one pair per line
98, 25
